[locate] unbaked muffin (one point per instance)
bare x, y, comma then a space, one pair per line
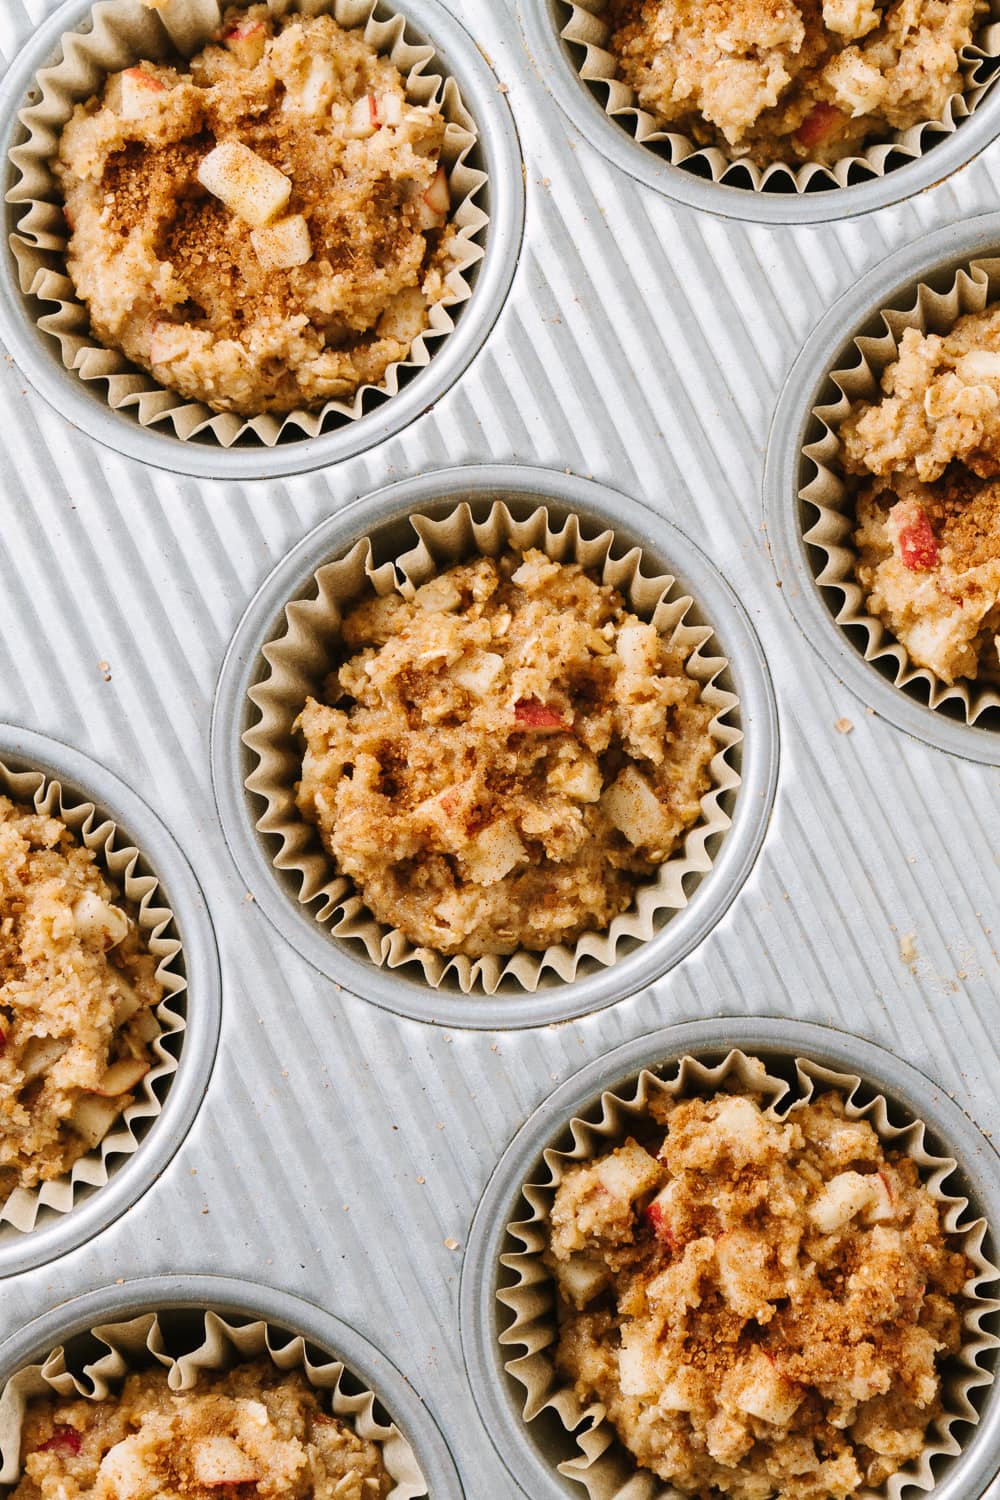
928, 532
780, 80
77, 992
503, 758
252, 1430
762, 1305
265, 227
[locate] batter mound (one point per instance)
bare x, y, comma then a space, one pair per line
509, 754
250, 1431
77, 988
776, 80
761, 1306
266, 229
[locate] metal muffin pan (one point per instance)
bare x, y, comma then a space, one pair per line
341, 1149
181, 1298
531, 1451
385, 517
933, 259
84, 405
182, 1094
557, 62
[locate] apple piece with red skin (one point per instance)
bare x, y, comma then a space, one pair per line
246, 41
657, 1220
918, 546
822, 121
364, 118
434, 203
121, 1078
530, 714
139, 91
63, 1440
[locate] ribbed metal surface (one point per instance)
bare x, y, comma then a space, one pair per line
340, 1147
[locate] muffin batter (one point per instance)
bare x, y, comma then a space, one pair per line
761, 1306
776, 80
929, 561
77, 987
265, 229
252, 1430
505, 756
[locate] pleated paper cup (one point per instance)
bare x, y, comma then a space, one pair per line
587, 28
298, 659
119, 862
931, 307
595, 1457
121, 33
211, 1343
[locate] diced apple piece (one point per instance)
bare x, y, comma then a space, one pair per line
658, 1216
918, 546
363, 120
42, 1053
98, 922
220, 1460
314, 94
844, 1196
63, 1440
389, 108
124, 1469
122, 1077
494, 853
759, 1389
530, 714
582, 1278
632, 807
978, 365
139, 91
883, 1199
167, 341
247, 184
637, 1372
628, 1172
246, 41
92, 1118
478, 672
128, 1002
435, 202
819, 124
283, 245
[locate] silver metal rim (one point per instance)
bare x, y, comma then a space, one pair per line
228, 1296
395, 990
496, 1393
554, 64
37, 354
941, 251
134, 1174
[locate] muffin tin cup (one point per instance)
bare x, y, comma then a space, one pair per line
285, 642
552, 1443
137, 854
47, 328
187, 1324
568, 42
810, 516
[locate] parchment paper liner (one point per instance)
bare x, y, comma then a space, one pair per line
139, 1342
299, 658
25, 1207
125, 31
601, 1463
586, 28
967, 289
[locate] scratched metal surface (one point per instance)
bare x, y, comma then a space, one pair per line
340, 1149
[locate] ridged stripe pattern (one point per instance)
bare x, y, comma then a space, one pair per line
339, 1148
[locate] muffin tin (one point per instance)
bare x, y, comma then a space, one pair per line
342, 1145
